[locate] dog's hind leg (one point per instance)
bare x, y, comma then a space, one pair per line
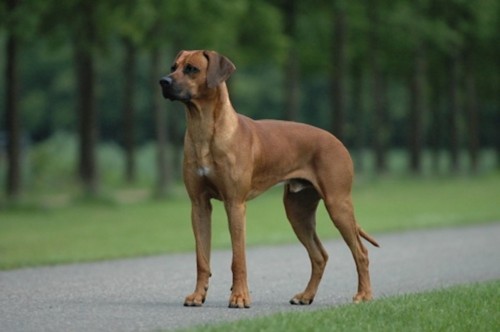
341, 212
300, 209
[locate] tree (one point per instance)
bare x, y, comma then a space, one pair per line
12, 111
131, 25
19, 18
139, 26
471, 37
472, 108
292, 62
339, 68
436, 102
86, 24
84, 36
378, 88
390, 57
417, 84
478, 28
417, 99
129, 70
163, 169
453, 109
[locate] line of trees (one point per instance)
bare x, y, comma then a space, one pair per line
378, 74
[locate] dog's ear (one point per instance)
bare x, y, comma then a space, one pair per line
219, 68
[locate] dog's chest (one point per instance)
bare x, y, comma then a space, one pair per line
205, 161
211, 181
203, 171
211, 159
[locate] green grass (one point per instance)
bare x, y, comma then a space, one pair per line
82, 231
467, 308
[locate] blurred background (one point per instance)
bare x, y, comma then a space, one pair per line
411, 87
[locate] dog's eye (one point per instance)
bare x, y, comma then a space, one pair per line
189, 69
173, 68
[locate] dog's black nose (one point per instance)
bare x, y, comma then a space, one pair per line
166, 81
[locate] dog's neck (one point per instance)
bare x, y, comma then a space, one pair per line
210, 120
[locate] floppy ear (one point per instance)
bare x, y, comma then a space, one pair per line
219, 68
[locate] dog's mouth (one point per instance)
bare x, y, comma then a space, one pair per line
174, 97
167, 94
169, 91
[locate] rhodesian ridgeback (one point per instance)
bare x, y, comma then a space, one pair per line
232, 158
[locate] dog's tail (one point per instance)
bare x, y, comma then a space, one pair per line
367, 237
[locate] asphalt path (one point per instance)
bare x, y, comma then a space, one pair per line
146, 294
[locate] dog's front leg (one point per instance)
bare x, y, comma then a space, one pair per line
201, 214
240, 297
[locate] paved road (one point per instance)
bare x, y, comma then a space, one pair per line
146, 294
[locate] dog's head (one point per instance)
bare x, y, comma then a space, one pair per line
195, 75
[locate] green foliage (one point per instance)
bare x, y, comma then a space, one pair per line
261, 38
23, 20
50, 166
460, 308
53, 163
252, 34
47, 101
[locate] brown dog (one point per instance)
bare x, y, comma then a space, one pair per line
232, 158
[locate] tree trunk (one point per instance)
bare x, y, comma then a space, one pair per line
12, 116
87, 118
417, 110
129, 71
292, 65
436, 123
162, 169
339, 68
378, 90
359, 116
472, 110
85, 100
453, 112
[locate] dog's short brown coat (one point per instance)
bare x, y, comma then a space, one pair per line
233, 158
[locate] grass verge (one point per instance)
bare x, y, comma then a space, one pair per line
463, 308
85, 231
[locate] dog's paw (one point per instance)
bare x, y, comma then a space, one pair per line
194, 300
362, 297
239, 301
302, 299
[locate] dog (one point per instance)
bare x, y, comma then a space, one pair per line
232, 158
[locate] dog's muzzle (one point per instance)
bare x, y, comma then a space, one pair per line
172, 91
166, 87
166, 81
